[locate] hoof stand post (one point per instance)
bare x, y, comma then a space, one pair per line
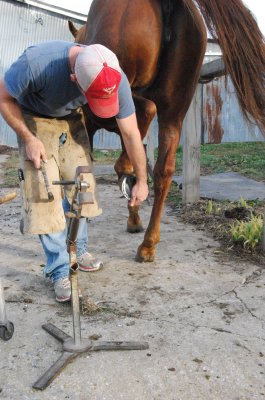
73, 346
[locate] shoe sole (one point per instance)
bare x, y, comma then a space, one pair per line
86, 269
66, 299
62, 299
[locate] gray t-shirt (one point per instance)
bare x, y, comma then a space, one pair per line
40, 81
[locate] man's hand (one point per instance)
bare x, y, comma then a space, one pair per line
35, 151
139, 194
135, 150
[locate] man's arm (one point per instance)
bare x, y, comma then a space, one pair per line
135, 150
11, 112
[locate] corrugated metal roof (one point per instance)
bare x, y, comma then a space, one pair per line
22, 25
49, 6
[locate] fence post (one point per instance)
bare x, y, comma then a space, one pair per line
191, 151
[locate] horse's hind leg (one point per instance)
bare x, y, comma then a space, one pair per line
173, 93
145, 111
163, 172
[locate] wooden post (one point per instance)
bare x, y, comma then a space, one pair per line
191, 151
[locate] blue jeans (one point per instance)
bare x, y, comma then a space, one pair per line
55, 248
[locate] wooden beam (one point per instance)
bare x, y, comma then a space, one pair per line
213, 69
191, 151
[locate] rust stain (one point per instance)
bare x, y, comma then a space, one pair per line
213, 110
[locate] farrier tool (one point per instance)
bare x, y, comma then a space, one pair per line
73, 346
46, 181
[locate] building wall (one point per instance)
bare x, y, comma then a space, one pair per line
20, 26
223, 120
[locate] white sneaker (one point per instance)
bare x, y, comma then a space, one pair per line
62, 289
88, 263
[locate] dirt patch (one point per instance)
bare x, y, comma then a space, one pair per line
217, 222
7, 149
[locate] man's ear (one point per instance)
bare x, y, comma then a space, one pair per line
73, 77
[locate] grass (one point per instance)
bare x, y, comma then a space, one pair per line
9, 172
106, 156
247, 158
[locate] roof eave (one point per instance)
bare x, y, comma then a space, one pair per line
55, 9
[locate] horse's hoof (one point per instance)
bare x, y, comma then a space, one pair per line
145, 254
135, 228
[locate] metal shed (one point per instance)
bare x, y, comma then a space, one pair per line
22, 24
25, 22
222, 118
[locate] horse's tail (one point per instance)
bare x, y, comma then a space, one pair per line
243, 48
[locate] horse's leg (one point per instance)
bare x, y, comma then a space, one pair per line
174, 89
163, 172
145, 111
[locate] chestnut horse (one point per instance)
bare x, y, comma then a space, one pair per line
160, 45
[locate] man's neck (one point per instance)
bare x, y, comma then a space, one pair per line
73, 53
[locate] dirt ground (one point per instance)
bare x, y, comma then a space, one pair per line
201, 311
218, 225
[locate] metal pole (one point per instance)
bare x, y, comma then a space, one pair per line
75, 304
3, 318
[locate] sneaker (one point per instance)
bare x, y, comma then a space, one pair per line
87, 262
62, 289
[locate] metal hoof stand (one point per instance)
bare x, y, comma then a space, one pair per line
73, 346
6, 327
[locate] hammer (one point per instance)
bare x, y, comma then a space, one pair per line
46, 181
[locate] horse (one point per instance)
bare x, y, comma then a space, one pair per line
160, 45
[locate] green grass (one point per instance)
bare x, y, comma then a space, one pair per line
106, 156
246, 158
9, 170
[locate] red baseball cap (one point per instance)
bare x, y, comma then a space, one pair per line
98, 73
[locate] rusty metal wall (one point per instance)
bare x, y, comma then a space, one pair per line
223, 120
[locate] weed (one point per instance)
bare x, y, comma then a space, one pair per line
242, 203
209, 208
248, 232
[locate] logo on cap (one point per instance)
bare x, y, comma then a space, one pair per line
109, 90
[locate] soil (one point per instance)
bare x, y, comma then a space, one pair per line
217, 223
199, 307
